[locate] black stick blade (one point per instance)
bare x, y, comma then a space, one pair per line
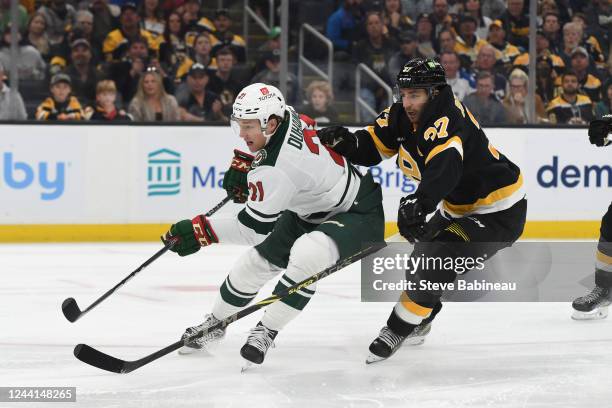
96, 358
71, 310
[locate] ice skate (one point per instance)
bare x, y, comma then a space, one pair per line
385, 345
259, 341
206, 342
593, 306
389, 342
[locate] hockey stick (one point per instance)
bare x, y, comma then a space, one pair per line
71, 309
93, 357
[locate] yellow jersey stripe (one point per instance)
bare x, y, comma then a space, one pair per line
454, 142
384, 150
494, 197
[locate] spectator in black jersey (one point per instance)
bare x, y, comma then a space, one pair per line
516, 23
105, 109
226, 38
116, 42
126, 73
198, 104
174, 35
320, 97
224, 81
408, 50
82, 71
570, 107
440, 17
545, 78
104, 20
395, 21
590, 85
483, 103
83, 28
551, 27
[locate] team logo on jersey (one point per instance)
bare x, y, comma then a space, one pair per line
264, 91
259, 158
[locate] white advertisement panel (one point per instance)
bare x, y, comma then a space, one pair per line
566, 177
133, 174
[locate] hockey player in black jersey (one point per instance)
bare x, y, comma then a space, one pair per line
478, 191
595, 304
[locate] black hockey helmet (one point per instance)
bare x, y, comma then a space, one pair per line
421, 73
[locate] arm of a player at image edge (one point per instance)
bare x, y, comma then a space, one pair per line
599, 130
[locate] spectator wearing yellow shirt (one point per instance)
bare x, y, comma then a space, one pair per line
60, 105
468, 44
116, 42
224, 37
505, 53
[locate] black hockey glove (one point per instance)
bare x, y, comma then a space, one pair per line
599, 129
339, 139
411, 218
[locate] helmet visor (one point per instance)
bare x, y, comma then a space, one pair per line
248, 125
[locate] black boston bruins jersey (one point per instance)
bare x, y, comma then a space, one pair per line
448, 154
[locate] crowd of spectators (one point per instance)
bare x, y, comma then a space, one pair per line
175, 60
483, 46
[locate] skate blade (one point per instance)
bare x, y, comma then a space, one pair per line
246, 366
187, 351
596, 314
373, 358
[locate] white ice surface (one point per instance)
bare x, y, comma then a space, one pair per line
502, 355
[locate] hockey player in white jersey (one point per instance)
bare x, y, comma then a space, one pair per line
306, 208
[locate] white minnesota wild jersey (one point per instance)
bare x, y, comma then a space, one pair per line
294, 172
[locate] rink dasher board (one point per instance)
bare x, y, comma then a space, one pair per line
93, 183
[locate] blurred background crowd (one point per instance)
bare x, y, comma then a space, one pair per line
186, 60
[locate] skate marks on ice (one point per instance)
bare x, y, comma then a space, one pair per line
502, 355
